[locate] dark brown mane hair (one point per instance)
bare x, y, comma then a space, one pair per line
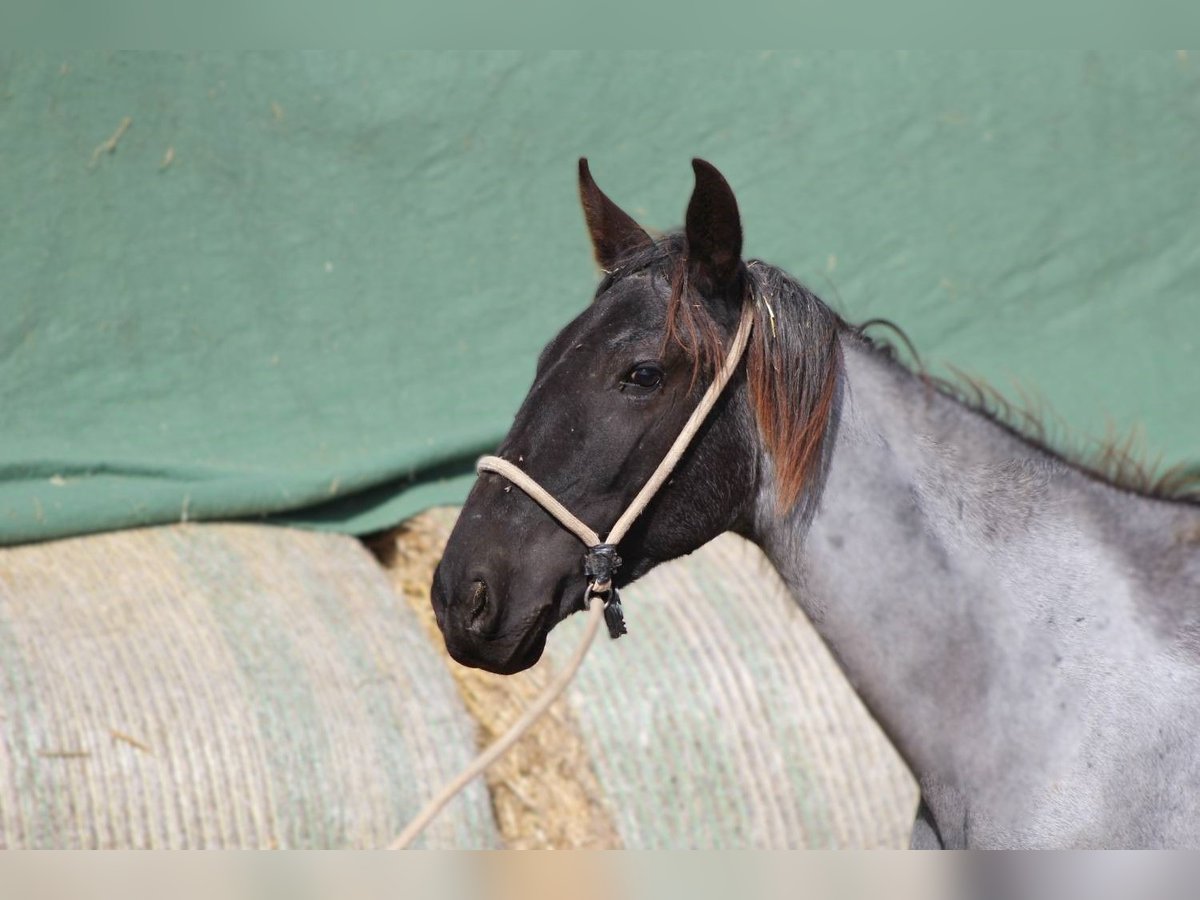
792, 368
794, 358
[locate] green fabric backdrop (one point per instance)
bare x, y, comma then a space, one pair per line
313, 286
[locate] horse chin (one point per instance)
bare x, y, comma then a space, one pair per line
523, 656
510, 650
522, 661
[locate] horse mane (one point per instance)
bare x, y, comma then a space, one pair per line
794, 359
1119, 460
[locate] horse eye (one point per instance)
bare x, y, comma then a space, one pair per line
645, 375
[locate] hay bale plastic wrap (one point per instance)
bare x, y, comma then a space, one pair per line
220, 686
719, 721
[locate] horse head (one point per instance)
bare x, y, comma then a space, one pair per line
610, 394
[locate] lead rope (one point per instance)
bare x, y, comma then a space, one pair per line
600, 564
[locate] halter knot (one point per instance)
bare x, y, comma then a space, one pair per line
600, 564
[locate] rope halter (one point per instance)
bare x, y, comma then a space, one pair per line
601, 561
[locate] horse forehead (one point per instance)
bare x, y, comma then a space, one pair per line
617, 329
629, 310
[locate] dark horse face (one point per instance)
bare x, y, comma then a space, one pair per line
611, 393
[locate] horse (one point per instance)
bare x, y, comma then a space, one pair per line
1025, 629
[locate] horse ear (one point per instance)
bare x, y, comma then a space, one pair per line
713, 229
614, 233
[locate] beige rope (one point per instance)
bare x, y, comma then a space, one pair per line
589, 537
565, 517
501, 745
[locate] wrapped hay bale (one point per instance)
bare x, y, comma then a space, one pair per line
720, 721
220, 686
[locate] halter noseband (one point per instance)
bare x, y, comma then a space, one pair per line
601, 561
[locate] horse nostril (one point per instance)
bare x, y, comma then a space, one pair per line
483, 613
478, 601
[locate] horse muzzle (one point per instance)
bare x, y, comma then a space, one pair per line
484, 629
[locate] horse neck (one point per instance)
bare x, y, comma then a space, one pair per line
953, 568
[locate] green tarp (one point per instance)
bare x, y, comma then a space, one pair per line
313, 286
